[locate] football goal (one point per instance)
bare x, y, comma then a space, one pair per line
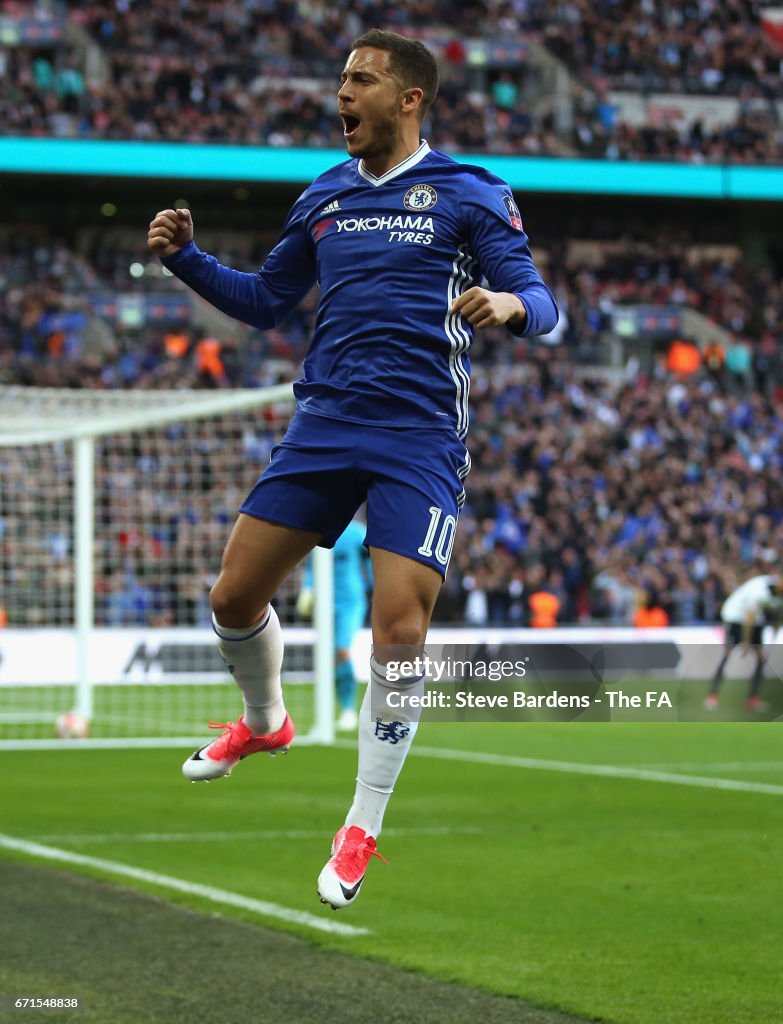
114, 510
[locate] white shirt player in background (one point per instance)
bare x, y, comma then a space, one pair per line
745, 612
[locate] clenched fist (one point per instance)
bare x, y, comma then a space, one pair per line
484, 308
169, 231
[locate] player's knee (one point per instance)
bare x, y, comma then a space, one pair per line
408, 632
232, 607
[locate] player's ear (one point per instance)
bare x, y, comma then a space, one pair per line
411, 99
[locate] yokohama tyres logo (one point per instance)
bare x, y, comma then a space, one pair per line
399, 223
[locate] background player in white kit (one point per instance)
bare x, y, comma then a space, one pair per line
745, 612
400, 239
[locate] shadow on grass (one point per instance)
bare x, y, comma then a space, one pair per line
135, 959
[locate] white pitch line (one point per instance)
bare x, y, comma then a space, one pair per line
191, 837
207, 892
715, 766
606, 770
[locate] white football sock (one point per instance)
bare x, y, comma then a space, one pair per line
254, 658
385, 737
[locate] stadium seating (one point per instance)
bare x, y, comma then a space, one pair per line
641, 84
612, 485
641, 504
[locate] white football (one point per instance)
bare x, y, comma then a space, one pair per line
72, 726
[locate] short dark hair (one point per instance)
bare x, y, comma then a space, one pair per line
410, 62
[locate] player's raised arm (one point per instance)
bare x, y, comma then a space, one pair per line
262, 299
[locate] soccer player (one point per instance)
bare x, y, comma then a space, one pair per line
745, 612
350, 609
400, 238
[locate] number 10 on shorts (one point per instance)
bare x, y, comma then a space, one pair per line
445, 534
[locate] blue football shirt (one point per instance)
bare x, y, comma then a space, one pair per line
390, 254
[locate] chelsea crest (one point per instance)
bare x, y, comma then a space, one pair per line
420, 197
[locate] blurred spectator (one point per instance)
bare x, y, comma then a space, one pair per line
714, 358
208, 362
649, 614
683, 358
738, 367
505, 91
543, 603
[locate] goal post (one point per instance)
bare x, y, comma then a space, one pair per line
114, 509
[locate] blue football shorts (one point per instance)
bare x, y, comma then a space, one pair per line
411, 478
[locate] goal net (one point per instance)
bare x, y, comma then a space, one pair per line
114, 511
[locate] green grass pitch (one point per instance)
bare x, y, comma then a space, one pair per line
612, 898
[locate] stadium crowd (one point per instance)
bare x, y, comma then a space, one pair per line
259, 73
613, 499
685, 46
273, 113
660, 490
754, 136
50, 333
654, 492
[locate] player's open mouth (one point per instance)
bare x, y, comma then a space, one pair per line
350, 124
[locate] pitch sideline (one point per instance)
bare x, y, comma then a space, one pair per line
576, 768
208, 892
